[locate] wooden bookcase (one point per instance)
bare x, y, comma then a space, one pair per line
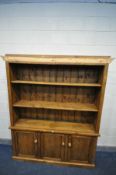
55, 107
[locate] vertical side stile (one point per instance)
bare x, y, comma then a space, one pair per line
101, 97
10, 93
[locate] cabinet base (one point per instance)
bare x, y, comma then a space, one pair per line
78, 164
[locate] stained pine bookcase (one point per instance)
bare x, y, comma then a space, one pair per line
55, 107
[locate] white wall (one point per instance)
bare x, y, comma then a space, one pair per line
82, 29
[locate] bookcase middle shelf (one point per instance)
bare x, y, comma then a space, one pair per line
56, 83
56, 105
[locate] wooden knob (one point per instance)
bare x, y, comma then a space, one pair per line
35, 141
52, 131
63, 144
69, 145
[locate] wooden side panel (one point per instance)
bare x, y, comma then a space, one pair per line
25, 143
11, 94
52, 146
79, 148
101, 96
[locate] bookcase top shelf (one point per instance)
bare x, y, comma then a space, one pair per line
58, 59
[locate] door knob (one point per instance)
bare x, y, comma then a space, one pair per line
35, 141
69, 145
63, 144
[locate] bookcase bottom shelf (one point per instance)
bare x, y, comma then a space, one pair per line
53, 126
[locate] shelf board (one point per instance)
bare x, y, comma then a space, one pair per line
58, 59
53, 126
56, 83
56, 105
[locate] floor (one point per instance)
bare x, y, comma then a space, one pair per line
106, 165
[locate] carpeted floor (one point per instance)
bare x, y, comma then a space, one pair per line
106, 165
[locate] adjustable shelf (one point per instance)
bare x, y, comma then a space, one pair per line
55, 106
56, 83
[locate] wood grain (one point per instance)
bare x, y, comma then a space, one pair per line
56, 83
56, 105
60, 127
58, 59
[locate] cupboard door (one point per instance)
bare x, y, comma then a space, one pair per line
53, 146
26, 143
80, 149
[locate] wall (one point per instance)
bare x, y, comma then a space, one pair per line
82, 29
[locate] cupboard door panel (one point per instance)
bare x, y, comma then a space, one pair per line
26, 143
52, 146
79, 148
